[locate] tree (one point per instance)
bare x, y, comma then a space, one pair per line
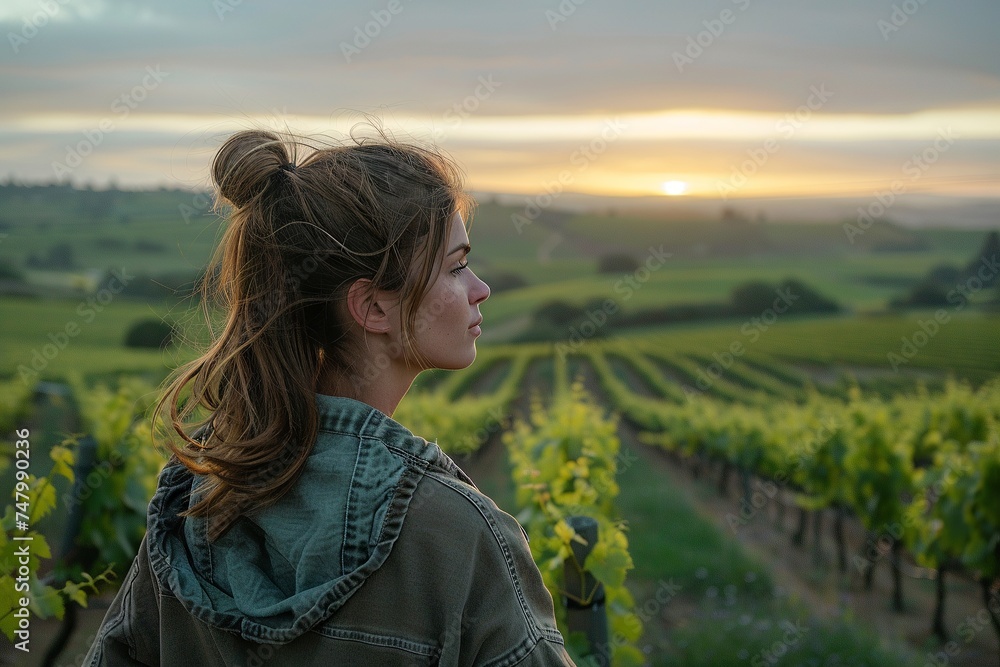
988, 254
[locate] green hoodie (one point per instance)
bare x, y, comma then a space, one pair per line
383, 553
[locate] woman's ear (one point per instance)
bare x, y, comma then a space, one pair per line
369, 307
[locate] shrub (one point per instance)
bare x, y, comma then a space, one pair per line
150, 334
505, 281
927, 293
558, 312
617, 263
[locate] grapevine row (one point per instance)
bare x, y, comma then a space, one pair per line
918, 471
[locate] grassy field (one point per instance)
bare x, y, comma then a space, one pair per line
853, 282
39, 339
170, 235
35, 329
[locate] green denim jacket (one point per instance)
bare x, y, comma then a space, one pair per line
384, 553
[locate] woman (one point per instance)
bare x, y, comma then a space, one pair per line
299, 524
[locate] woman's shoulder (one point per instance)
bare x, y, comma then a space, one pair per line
463, 509
481, 550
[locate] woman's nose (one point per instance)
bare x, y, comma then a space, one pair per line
482, 292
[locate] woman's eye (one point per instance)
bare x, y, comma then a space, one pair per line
456, 271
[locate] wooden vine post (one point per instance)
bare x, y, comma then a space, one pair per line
585, 610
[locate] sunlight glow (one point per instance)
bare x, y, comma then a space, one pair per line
674, 188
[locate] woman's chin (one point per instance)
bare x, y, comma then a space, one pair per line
464, 361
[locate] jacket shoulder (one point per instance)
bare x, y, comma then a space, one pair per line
508, 611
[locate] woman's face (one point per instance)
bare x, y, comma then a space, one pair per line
444, 329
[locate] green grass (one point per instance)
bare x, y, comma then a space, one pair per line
781, 633
688, 281
108, 243
727, 610
668, 540
37, 337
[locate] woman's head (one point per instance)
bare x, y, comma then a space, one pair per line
335, 269
377, 211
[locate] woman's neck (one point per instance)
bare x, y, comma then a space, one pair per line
381, 388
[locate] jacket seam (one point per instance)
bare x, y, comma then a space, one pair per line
540, 631
119, 620
409, 458
505, 548
375, 639
516, 655
127, 612
385, 518
347, 505
520, 659
211, 556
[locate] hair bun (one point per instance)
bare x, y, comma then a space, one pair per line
244, 164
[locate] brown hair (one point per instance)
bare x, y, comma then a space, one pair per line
299, 235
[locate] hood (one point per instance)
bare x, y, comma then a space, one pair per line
278, 572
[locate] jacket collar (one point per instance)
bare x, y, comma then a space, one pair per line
339, 414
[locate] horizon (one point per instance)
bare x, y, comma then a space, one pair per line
962, 213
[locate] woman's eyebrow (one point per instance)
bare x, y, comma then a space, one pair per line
464, 246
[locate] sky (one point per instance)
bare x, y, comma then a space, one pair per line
717, 100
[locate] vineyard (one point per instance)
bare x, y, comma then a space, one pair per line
916, 474
735, 370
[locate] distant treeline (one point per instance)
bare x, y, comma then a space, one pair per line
948, 285
558, 319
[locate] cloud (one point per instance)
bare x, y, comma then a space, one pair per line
232, 60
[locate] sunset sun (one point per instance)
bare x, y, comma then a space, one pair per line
674, 188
